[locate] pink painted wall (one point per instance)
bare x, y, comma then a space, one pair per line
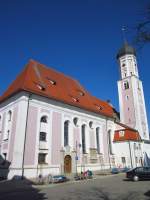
13, 133
76, 134
56, 137
92, 138
30, 146
128, 103
5, 145
45, 111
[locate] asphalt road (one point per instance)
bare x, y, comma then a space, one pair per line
103, 188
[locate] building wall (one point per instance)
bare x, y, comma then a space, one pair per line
27, 156
131, 151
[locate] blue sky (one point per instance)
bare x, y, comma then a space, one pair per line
77, 37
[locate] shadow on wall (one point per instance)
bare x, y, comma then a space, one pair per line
4, 168
20, 190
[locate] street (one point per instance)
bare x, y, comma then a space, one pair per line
106, 188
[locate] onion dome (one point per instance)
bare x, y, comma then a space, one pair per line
126, 49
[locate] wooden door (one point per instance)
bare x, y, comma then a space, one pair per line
67, 164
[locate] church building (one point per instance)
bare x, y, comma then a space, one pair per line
50, 124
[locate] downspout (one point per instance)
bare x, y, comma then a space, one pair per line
130, 154
29, 97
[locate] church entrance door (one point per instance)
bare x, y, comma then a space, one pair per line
67, 164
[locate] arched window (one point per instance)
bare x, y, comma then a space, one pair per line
97, 140
83, 139
43, 119
9, 115
66, 133
109, 142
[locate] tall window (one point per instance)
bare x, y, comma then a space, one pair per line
97, 140
83, 139
109, 142
43, 119
66, 133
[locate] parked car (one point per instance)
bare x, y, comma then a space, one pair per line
138, 173
125, 169
115, 170
58, 179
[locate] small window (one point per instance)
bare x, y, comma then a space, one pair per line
40, 87
123, 159
98, 107
75, 99
127, 97
42, 158
44, 119
121, 133
128, 109
42, 136
126, 85
51, 81
81, 93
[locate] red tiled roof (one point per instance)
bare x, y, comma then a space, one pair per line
127, 135
125, 126
38, 79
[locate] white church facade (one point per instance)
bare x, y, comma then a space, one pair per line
49, 124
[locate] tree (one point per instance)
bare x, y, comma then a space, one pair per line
142, 28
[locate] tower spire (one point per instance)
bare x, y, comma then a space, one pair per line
123, 29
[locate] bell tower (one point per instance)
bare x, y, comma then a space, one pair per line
130, 89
